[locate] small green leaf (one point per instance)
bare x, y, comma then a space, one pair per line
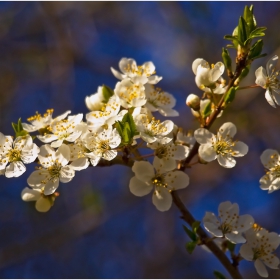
190, 246
242, 31
207, 110
230, 95
226, 58
190, 233
118, 126
126, 135
195, 226
244, 72
256, 49
132, 125
230, 246
219, 275
107, 93
249, 18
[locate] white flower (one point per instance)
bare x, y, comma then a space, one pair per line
193, 101
42, 122
43, 202
209, 78
130, 94
229, 225
152, 130
184, 139
220, 146
95, 102
148, 177
102, 145
54, 169
169, 153
158, 100
16, 153
106, 116
259, 247
68, 130
78, 158
268, 79
141, 74
271, 180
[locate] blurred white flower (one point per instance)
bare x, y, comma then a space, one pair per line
229, 225
268, 79
148, 177
95, 102
137, 74
259, 248
220, 146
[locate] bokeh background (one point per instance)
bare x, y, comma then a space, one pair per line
54, 54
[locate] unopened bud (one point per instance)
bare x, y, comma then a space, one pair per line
193, 101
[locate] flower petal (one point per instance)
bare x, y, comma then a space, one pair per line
226, 161
139, 188
227, 129
15, 169
240, 149
66, 174
235, 238
43, 204
261, 269
143, 170
269, 157
51, 187
177, 180
207, 152
261, 76
30, 194
269, 98
246, 252
162, 199
203, 136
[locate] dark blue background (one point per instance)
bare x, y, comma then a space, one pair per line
52, 55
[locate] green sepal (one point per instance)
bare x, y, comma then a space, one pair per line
243, 31
226, 58
230, 246
244, 72
207, 110
190, 246
234, 40
107, 93
190, 233
255, 50
219, 275
195, 226
19, 131
230, 95
249, 18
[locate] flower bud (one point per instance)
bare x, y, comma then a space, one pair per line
193, 101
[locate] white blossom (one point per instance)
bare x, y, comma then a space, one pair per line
148, 177
43, 202
259, 248
268, 79
96, 101
229, 224
152, 130
271, 161
64, 130
13, 154
106, 116
130, 94
220, 146
169, 153
42, 122
209, 78
102, 144
137, 74
161, 101
55, 169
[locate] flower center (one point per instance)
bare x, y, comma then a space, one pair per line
153, 127
38, 116
258, 252
224, 146
158, 181
14, 155
161, 152
225, 228
104, 145
54, 170
272, 81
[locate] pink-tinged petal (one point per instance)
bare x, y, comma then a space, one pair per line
203, 136
47, 138
227, 129
271, 261
51, 187
143, 170
30, 194
261, 76
43, 204
240, 149
246, 252
80, 164
235, 238
35, 179
66, 174
63, 154
261, 269
139, 188
15, 169
269, 98
207, 152
162, 199
226, 161
177, 180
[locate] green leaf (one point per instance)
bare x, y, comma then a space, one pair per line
190, 246
207, 110
249, 18
230, 246
132, 125
219, 275
118, 126
126, 135
190, 233
242, 31
107, 93
244, 72
226, 58
256, 49
230, 95
195, 226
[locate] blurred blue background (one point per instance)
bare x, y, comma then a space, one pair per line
54, 54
